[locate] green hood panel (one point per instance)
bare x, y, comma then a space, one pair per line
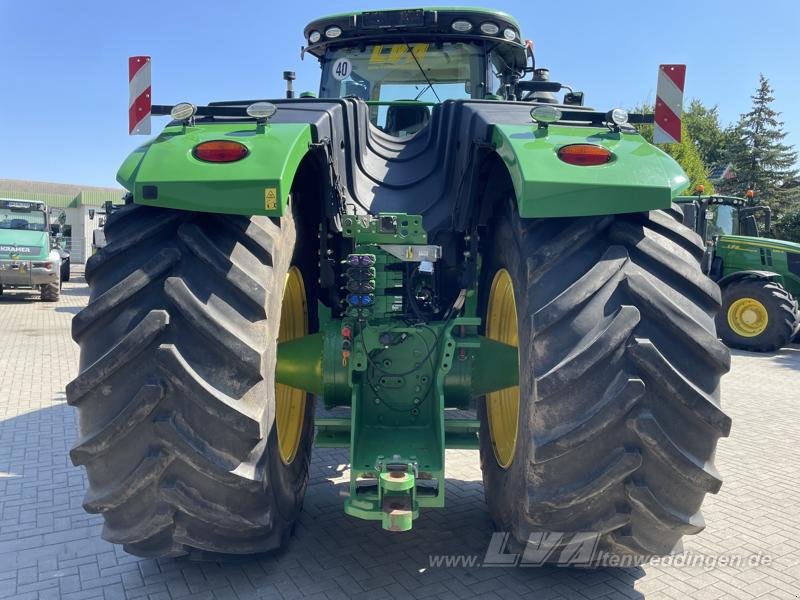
163, 172
745, 253
27, 245
640, 177
753, 243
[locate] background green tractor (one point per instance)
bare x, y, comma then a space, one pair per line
435, 232
759, 276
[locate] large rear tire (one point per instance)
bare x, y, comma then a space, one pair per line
176, 394
757, 315
615, 422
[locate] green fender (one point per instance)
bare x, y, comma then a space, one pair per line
639, 177
163, 172
760, 275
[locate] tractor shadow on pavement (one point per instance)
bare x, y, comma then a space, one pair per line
43, 529
73, 291
23, 296
787, 357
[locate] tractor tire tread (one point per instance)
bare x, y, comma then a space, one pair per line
177, 361
619, 379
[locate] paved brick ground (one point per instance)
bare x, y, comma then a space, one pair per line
50, 548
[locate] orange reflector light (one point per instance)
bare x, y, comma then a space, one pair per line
699, 188
220, 151
749, 193
584, 155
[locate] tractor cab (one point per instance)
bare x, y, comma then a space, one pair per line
401, 82
404, 62
715, 216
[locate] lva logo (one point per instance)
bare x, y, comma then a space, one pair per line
563, 549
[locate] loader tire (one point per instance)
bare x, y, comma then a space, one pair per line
610, 436
176, 395
757, 315
51, 292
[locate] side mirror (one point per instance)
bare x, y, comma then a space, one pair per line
689, 214
573, 98
98, 238
749, 226
767, 221
55, 229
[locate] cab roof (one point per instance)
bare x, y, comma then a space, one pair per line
411, 24
11, 202
478, 11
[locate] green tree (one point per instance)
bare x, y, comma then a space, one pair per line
710, 139
788, 226
761, 160
685, 154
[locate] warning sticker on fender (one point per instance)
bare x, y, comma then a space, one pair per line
270, 198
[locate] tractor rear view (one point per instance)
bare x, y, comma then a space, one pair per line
434, 232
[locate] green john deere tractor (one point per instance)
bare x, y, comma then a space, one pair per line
759, 276
436, 231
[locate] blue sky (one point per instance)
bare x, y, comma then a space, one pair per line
63, 67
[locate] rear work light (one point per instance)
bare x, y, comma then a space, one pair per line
220, 151
584, 155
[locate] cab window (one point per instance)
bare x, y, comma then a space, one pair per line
722, 220
419, 72
25, 220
